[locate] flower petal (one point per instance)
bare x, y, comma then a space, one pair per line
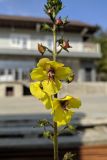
37, 92
63, 114
74, 103
51, 87
55, 64
42, 62
56, 103
62, 73
62, 117
38, 74
47, 101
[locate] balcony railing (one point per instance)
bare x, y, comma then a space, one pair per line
76, 47
85, 47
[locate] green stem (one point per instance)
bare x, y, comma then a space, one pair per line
55, 140
54, 43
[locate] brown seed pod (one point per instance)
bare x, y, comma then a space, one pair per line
41, 48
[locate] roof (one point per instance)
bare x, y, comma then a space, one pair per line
24, 22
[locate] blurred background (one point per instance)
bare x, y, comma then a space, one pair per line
20, 32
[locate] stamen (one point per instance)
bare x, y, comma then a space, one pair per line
41, 87
51, 74
64, 104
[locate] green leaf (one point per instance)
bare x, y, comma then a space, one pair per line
70, 78
68, 156
52, 8
60, 41
43, 123
47, 134
46, 27
65, 20
71, 128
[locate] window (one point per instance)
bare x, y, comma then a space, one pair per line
16, 75
16, 40
25, 75
2, 72
24, 43
88, 74
9, 91
9, 71
20, 41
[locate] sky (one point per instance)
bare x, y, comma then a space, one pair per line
93, 12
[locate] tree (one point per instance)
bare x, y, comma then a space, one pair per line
102, 63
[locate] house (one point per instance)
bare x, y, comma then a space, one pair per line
19, 37
20, 136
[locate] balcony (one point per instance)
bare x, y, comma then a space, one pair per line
79, 49
85, 47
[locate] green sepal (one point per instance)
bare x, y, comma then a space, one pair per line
71, 128
68, 156
46, 27
47, 134
43, 123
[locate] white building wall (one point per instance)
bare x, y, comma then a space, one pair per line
4, 39
29, 40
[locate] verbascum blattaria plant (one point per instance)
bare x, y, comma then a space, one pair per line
48, 76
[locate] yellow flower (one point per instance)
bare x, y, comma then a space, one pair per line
36, 90
50, 73
61, 109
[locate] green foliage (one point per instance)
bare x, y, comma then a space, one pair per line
68, 156
43, 123
102, 63
65, 20
52, 8
46, 27
104, 47
71, 128
67, 129
47, 134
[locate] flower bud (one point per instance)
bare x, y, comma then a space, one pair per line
50, 11
66, 45
65, 21
59, 22
41, 48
